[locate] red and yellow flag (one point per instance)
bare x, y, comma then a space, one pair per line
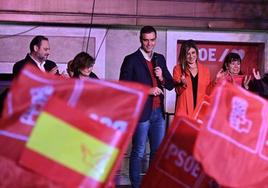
78, 141
80, 149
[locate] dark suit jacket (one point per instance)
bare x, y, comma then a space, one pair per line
93, 75
259, 87
134, 68
18, 66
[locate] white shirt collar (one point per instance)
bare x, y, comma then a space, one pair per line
146, 56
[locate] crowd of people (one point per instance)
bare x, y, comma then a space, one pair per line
191, 80
80, 67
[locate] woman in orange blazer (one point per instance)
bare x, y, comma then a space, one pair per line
192, 79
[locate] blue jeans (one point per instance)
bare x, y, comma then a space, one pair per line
154, 128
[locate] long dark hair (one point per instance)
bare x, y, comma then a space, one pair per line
185, 47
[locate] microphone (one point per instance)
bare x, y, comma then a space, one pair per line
155, 61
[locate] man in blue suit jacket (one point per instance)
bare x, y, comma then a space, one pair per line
149, 68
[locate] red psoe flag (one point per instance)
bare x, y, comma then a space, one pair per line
232, 144
116, 105
201, 109
174, 164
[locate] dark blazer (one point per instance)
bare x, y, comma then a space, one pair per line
134, 68
93, 75
18, 66
259, 87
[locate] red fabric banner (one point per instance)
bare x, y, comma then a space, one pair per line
72, 147
201, 109
232, 143
95, 99
13, 175
174, 164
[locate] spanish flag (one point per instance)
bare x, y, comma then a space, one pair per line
71, 149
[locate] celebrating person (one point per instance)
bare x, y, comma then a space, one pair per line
147, 67
192, 79
231, 72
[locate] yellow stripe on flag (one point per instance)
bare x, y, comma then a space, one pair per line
71, 147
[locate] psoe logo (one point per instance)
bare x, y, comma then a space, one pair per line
237, 119
39, 97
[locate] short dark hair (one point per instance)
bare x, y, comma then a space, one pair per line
49, 65
147, 29
229, 58
37, 41
82, 60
